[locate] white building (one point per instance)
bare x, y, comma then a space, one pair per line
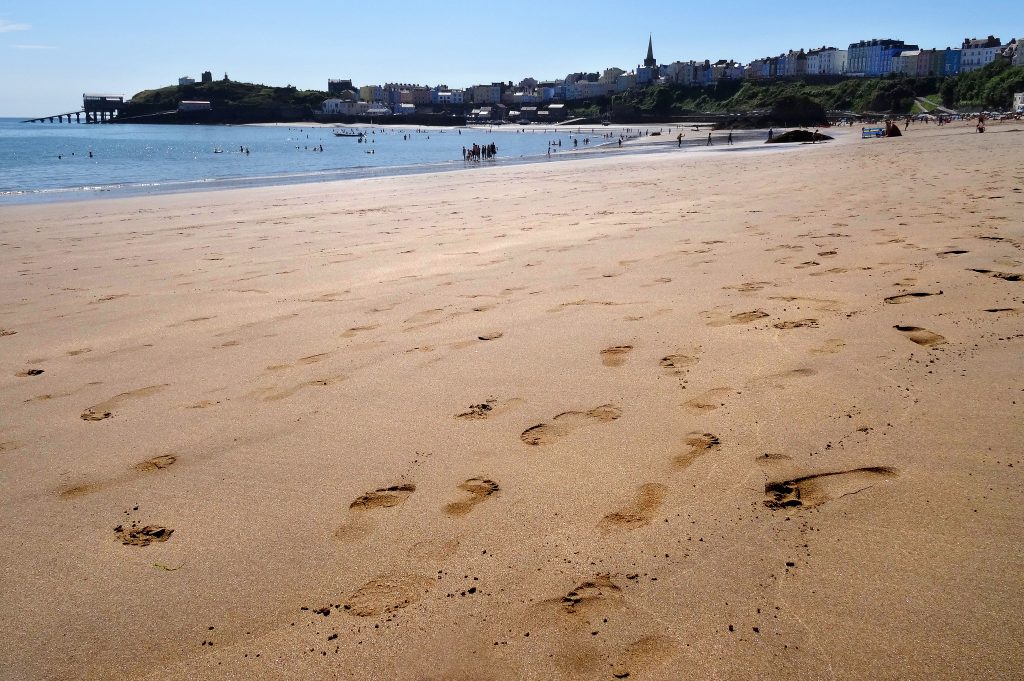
186, 80
345, 107
826, 61
978, 52
194, 106
1018, 102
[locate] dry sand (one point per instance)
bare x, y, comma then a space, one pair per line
737, 415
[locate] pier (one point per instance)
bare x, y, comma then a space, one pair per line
95, 108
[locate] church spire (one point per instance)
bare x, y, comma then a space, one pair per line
650, 61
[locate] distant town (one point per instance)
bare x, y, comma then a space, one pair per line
867, 58
555, 101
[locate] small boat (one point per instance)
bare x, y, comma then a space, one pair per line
338, 132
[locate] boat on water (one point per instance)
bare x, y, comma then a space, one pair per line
341, 132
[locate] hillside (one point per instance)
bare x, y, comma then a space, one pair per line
241, 100
990, 88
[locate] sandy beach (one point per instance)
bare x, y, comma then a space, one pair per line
730, 415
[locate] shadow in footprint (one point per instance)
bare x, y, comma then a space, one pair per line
920, 336
358, 525
678, 363
908, 297
797, 324
1008, 276
813, 490
480, 489
616, 355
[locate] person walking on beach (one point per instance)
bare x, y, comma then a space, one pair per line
771, 133
730, 138
679, 140
709, 140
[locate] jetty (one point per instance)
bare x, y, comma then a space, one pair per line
96, 108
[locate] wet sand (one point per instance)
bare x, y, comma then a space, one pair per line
726, 415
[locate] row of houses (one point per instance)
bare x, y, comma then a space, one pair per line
866, 58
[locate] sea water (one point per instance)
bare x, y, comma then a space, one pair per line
52, 161
42, 162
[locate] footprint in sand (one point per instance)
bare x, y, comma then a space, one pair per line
780, 378
646, 654
566, 422
1008, 276
491, 407
157, 463
615, 356
749, 286
639, 511
677, 363
797, 324
134, 535
830, 347
274, 393
386, 593
709, 400
813, 490
29, 372
355, 330
769, 458
107, 299
104, 410
738, 318
490, 335
358, 525
920, 336
698, 444
480, 490
423, 319
908, 297
313, 359
598, 593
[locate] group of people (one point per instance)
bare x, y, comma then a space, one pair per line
477, 152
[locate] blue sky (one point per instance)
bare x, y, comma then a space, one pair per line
51, 52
